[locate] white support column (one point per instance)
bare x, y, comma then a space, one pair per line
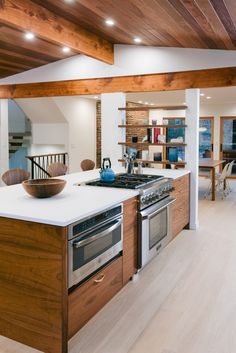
111, 117
4, 138
192, 98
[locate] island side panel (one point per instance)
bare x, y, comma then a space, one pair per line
33, 284
130, 247
180, 208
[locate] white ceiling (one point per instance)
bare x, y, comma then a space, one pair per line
218, 96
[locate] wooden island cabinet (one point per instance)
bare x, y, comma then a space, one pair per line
35, 307
180, 208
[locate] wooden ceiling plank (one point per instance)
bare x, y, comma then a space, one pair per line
216, 24
177, 25
28, 16
7, 62
203, 22
39, 47
129, 19
224, 16
180, 7
15, 56
171, 22
222, 77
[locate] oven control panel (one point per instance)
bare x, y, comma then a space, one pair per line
156, 193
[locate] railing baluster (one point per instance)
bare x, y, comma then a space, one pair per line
40, 163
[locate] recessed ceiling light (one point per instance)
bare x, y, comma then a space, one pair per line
140, 102
66, 50
152, 104
208, 97
137, 40
146, 103
69, 1
29, 36
95, 97
202, 94
109, 22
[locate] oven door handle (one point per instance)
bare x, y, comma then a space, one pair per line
151, 215
99, 235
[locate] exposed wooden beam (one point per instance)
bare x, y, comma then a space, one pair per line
223, 77
28, 16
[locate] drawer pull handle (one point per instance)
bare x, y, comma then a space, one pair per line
99, 280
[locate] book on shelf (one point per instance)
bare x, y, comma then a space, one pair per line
152, 134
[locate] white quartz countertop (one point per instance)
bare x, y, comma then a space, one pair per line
73, 203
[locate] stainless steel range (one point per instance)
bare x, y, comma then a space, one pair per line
154, 211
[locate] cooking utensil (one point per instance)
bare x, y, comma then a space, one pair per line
106, 173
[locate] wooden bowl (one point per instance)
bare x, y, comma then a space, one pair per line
43, 188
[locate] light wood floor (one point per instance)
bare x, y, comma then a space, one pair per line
184, 301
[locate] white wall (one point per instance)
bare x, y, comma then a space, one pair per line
111, 117
129, 60
41, 110
46, 149
80, 114
50, 134
16, 117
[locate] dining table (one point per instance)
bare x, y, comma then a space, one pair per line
211, 165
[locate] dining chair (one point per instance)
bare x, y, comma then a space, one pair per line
87, 164
229, 172
15, 176
57, 169
220, 182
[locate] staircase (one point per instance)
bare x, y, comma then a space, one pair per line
18, 149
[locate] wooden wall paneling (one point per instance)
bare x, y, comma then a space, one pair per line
26, 15
180, 208
86, 300
130, 247
33, 282
222, 77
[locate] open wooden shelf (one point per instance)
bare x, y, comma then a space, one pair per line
147, 144
148, 107
151, 126
156, 162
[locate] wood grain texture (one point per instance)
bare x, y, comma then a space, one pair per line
86, 300
28, 16
209, 23
223, 77
33, 282
130, 247
180, 208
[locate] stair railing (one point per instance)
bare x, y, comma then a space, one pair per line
40, 163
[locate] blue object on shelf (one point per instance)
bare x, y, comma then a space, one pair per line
173, 154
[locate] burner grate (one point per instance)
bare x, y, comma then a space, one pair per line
128, 181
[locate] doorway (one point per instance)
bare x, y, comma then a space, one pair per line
228, 141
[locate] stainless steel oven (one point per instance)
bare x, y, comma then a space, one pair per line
93, 242
154, 230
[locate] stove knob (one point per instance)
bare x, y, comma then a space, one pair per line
142, 199
152, 196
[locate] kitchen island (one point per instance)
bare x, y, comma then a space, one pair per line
35, 306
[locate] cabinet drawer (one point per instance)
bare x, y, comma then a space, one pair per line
86, 300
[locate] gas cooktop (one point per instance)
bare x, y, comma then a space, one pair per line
128, 181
